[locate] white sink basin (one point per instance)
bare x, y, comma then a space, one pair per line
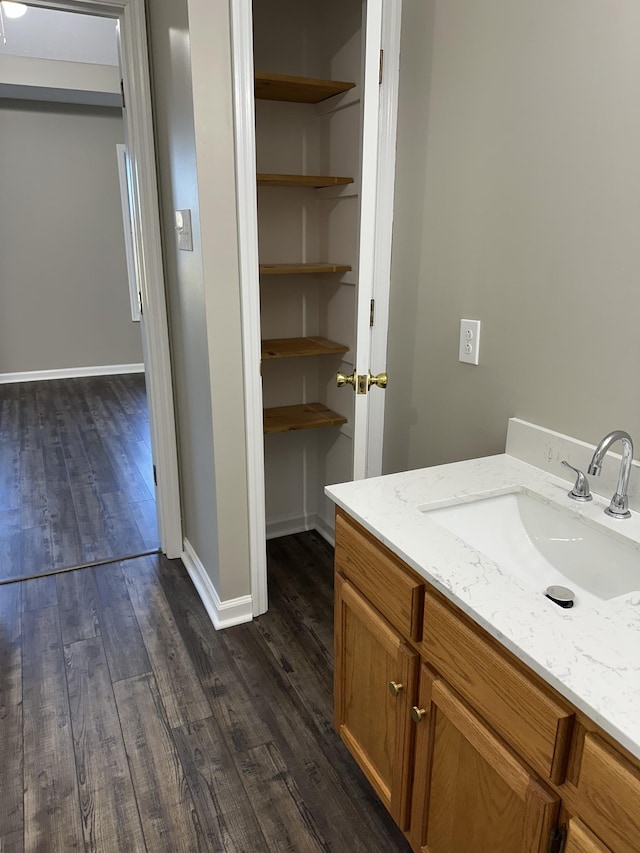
541, 544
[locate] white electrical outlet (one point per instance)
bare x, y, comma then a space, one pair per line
469, 341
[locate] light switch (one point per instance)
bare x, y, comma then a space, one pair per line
183, 230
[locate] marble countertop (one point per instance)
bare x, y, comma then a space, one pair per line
589, 654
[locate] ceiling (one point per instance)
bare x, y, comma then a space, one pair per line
51, 34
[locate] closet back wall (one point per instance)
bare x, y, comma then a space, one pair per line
64, 300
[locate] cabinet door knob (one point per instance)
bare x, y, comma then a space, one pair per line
417, 714
395, 687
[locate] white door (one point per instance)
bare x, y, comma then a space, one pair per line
380, 97
147, 259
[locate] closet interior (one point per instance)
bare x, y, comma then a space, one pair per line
308, 59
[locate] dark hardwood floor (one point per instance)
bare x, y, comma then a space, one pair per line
76, 475
127, 723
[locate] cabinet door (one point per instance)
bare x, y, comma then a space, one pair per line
372, 663
471, 792
609, 790
582, 840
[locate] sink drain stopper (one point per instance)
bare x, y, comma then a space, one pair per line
560, 595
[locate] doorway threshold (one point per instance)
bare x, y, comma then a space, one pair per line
105, 562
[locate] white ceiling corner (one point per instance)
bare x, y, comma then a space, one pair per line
52, 34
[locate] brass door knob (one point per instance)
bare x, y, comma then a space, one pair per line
417, 714
395, 687
380, 380
345, 379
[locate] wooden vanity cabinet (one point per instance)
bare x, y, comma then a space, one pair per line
526, 716
609, 791
376, 679
471, 792
581, 840
474, 753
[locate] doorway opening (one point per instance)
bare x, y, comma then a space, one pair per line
80, 444
317, 250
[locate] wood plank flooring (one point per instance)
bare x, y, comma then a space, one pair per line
127, 723
76, 474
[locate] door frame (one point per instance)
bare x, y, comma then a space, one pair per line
370, 112
247, 205
380, 214
386, 179
127, 222
134, 68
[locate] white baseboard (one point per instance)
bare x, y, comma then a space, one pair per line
326, 531
70, 373
290, 525
223, 614
300, 524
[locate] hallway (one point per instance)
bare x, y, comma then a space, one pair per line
129, 724
76, 474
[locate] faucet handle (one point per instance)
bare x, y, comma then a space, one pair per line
580, 490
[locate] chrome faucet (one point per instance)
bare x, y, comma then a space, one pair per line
619, 506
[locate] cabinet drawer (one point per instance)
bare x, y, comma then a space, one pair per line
527, 717
580, 840
379, 575
610, 792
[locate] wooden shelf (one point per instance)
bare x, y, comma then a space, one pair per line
313, 181
303, 416
302, 269
300, 90
293, 347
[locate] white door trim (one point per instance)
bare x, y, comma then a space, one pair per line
147, 251
368, 209
127, 226
244, 113
387, 132
246, 192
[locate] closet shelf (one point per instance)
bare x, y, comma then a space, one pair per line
293, 347
313, 181
302, 416
301, 90
300, 269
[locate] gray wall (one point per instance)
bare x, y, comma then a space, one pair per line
194, 139
518, 203
64, 299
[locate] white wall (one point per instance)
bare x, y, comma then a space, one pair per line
517, 203
215, 156
64, 299
191, 79
55, 80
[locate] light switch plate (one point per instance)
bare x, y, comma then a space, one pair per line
469, 341
183, 230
